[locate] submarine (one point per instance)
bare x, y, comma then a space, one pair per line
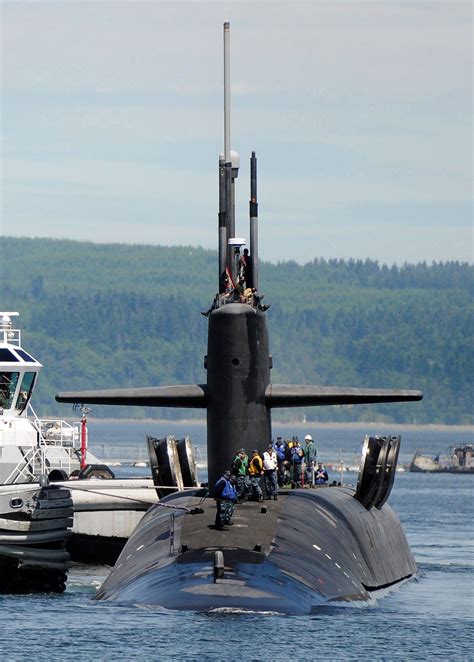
305, 550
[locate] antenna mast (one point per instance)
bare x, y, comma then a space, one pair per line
253, 209
228, 172
227, 92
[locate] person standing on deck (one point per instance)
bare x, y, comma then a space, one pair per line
240, 469
296, 457
270, 467
281, 451
310, 453
255, 471
225, 496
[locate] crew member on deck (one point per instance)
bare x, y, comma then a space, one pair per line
296, 458
245, 268
309, 459
255, 471
240, 469
225, 496
249, 295
281, 451
321, 476
270, 466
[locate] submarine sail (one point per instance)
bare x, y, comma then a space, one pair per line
303, 549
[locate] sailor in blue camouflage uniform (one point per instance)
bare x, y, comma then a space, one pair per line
225, 496
296, 458
281, 450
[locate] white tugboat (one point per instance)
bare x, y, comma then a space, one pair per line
101, 510
30, 446
35, 517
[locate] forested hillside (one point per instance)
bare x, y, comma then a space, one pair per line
103, 316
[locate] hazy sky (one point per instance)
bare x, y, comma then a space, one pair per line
360, 114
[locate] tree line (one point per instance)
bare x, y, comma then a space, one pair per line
112, 315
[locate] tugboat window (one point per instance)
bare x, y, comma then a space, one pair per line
26, 357
235, 362
8, 382
7, 357
25, 391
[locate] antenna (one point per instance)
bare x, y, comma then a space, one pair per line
225, 171
253, 209
228, 172
226, 92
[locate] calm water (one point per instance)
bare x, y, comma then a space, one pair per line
429, 618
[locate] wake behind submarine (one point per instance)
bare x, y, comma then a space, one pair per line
309, 548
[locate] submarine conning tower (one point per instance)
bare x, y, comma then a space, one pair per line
238, 374
238, 360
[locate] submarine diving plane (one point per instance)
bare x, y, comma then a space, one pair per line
311, 547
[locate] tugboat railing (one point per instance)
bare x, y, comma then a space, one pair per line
56, 432
11, 337
26, 467
50, 433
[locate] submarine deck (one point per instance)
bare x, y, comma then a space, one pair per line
309, 547
252, 529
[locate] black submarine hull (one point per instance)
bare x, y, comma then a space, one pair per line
308, 549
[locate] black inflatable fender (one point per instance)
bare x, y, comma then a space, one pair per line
95, 471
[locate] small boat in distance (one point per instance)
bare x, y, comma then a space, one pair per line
456, 459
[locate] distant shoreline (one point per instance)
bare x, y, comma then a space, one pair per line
359, 425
